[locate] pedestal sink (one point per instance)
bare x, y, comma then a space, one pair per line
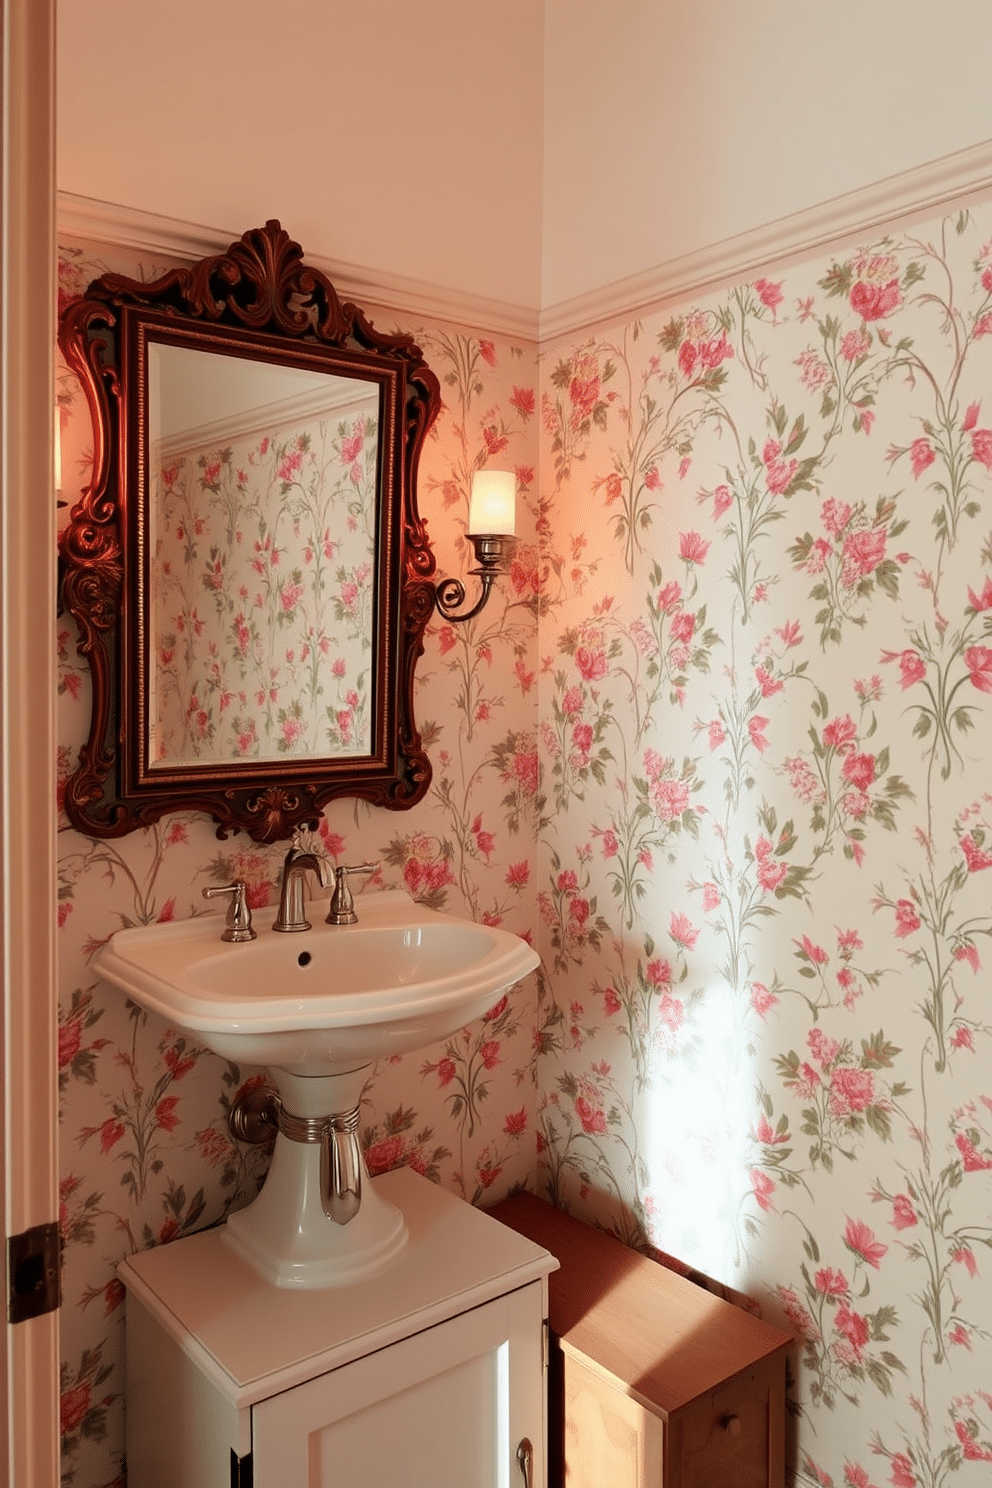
317, 1009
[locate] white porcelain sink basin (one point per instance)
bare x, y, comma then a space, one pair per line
318, 1007
325, 1000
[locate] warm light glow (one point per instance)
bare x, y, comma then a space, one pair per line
58, 448
493, 506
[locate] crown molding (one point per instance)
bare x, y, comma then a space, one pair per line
83, 218
952, 180
897, 200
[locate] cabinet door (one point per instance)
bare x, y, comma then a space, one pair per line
446, 1408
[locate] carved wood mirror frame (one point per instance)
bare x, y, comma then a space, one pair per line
257, 301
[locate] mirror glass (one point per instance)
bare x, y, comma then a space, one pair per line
248, 570
262, 548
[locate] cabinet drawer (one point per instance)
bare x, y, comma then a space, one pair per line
732, 1437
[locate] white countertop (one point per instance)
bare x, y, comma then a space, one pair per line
253, 1339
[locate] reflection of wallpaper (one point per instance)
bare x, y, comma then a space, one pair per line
751, 826
262, 593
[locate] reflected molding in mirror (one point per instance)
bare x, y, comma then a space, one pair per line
248, 570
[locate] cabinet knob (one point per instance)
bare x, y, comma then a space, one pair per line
732, 1425
525, 1460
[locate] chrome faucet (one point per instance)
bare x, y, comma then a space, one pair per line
342, 910
238, 925
292, 914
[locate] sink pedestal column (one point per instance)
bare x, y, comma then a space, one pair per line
285, 1233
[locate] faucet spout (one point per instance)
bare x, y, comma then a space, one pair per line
292, 913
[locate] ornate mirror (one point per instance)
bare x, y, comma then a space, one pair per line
248, 569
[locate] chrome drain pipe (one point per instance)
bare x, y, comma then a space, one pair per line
257, 1114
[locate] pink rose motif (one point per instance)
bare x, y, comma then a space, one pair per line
921, 455
859, 1238
350, 447
584, 393
70, 1038
165, 1113
831, 1282
854, 1328
722, 500
382, 1156
110, 1134
770, 874
591, 1117
971, 1449
716, 734
975, 856
762, 1187
687, 359
983, 601
907, 920
875, 301
445, 1071
859, 769
769, 293
981, 446
762, 1000
972, 1160
692, 547
840, 734
522, 399
862, 553
756, 728
978, 660
592, 664
903, 1213
835, 516
912, 668
851, 1090
683, 625
74, 1404
683, 931
778, 472
490, 1053
903, 1475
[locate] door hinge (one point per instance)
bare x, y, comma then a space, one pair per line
242, 1472
34, 1272
545, 1345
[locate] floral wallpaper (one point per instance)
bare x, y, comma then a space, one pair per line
262, 591
766, 662
719, 747
146, 1155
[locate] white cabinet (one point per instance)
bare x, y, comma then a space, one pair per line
431, 1374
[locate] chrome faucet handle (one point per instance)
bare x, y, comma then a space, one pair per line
342, 910
238, 927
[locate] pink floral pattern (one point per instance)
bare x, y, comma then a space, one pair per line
718, 747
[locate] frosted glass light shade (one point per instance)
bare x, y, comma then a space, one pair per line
493, 505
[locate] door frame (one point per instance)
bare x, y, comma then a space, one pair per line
29, 1450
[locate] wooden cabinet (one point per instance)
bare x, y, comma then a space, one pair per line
654, 1382
431, 1374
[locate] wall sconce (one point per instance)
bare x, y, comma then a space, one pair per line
491, 526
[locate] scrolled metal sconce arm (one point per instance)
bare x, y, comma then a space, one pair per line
492, 554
